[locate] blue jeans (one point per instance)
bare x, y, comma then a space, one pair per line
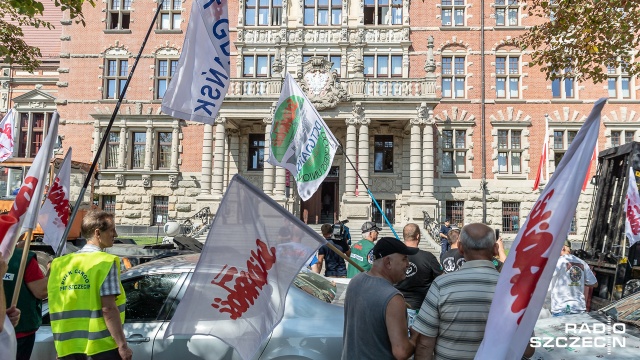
445, 246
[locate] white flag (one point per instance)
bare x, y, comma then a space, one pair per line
54, 215
6, 136
632, 209
27, 204
300, 140
201, 80
238, 289
526, 273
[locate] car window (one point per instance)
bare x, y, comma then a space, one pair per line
316, 285
147, 294
626, 310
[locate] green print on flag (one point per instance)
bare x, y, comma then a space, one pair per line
285, 125
319, 162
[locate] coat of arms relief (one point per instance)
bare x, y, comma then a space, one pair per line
321, 84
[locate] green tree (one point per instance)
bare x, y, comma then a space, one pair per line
15, 14
580, 38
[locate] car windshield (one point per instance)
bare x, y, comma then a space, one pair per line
319, 287
626, 310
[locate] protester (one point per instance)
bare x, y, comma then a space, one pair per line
362, 251
423, 269
89, 281
335, 266
32, 290
567, 284
451, 259
10, 317
444, 238
375, 320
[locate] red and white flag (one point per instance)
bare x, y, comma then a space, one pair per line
6, 136
27, 204
588, 176
238, 289
632, 209
524, 280
543, 158
54, 214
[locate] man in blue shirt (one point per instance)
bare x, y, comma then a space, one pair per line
334, 263
444, 236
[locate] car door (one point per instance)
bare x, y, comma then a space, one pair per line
146, 305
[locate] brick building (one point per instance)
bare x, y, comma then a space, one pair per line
399, 83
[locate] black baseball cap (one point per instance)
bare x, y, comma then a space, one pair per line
388, 245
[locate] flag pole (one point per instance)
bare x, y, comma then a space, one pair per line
103, 141
23, 260
370, 194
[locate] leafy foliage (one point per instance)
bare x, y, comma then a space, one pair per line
15, 14
580, 38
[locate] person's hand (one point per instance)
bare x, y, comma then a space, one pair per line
14, 315
500, 243
125, 352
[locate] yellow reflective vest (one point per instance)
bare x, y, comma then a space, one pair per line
75, 306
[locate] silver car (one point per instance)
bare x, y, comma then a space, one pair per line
311, 327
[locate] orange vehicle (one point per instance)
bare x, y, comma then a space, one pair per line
12, 172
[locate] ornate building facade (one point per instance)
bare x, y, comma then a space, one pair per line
435, 110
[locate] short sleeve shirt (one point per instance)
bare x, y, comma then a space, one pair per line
111, 284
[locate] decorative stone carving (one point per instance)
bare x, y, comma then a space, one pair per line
321, 84
358, 111
173, 181
146, 181
430, 64
386, 184
120, 180
423, 110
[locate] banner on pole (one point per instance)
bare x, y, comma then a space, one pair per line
201, 80
300, 140
543, 160
253, 251
54, 215
524, 280
6, 135
632, 210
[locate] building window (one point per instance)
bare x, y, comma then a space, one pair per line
509, 151
383, 153
507, 12
256, 152
322, 12
164, 150
160, 210
510, 217
113, 150
453, 77
119, 14
164, 71
139, 141
618, 135
454, 151
389, 207
619, 82
257, 65
382, 12
573, 228
115, 78
109, 203
508, 77
263, 12
32, 132
563, 88
452, 12
378, 66
561, 141
454, 211
170, 15
335, 59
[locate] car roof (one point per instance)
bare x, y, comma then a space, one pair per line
184, 263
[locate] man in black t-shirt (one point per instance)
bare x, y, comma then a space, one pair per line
452, 260
423, 268
334, 263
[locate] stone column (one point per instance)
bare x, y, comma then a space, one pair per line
218, 157
207, 155
175, 147
415, 158
428, 159
267, 181
122, 150
234, 153
363, 152
96, 139
281, 174
350, 152
148, 147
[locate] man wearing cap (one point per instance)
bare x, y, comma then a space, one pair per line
444, 236
361, 252
375, 319
569, 279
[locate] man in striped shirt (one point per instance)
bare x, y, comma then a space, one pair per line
454, 313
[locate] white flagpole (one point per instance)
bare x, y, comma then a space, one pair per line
546, 141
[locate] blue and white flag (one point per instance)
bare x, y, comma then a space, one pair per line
201, 80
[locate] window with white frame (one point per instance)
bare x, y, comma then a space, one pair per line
452, 12
333, 58
31, 132
113, 150
454, 150
257, 65
561, 141
322, 12
382, 66
563, 88
115, 77
382, 12
508, 77
119, 14
453, 77
507, 12
138, 143
165, 68
619, 82
263, 12
509, 151
163, 150
170, 15
619, 137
